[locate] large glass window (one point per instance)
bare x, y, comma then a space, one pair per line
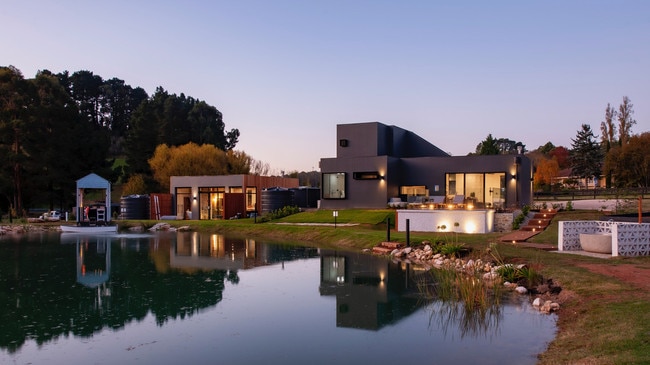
481, 190
455, 184
211, 202
474, 189
411, 192
334, 185
495, 186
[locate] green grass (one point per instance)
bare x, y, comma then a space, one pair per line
550, 234
358, 216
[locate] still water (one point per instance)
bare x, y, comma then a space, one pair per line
194, 298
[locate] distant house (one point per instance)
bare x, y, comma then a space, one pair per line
376, 163
567, 179
222, 196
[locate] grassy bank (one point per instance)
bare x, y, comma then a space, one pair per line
603, 320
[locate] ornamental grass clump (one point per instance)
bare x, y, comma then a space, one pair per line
462, 286
452, 249
463, 298
520, 274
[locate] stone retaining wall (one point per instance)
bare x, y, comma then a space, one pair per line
503, 222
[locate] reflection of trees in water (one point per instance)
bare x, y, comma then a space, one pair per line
40, 300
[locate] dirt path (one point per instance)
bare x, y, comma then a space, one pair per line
628, 273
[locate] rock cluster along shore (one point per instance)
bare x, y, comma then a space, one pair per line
424, 256
24, 228
160, 227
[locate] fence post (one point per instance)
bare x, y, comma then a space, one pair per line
408, 233
387, 229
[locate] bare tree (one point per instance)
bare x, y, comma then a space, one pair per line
259, 167
608, 130
625, 121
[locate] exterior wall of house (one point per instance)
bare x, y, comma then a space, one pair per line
377, 139
432, 171
194, 183
360, 193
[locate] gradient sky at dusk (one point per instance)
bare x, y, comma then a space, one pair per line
285, 73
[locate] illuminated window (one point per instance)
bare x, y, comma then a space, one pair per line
251, 198
474, 188
414, 190
211, 202
481, 189
369, 175
334, 185
455, 184
183, 202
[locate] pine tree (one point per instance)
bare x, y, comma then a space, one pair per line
586, 155
488, 147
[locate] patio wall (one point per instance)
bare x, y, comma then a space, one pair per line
628, 239
425, 220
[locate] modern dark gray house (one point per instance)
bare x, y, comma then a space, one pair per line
376, 164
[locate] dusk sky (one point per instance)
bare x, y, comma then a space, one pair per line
285, 73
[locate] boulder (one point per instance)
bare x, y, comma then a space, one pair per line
521, 290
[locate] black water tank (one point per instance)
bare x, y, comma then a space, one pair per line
306, 197
276, 198
134, 207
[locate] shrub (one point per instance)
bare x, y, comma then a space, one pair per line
279, 213
516, 223
452, 249
523, 275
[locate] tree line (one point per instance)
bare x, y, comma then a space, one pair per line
618, 156
57, 128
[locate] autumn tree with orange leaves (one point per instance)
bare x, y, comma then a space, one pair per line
193, 160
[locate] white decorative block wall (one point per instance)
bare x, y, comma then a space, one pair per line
628, 239
632, 239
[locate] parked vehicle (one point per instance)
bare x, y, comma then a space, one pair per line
52, 216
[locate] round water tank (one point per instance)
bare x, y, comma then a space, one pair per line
134, 207
306, 197
276, 198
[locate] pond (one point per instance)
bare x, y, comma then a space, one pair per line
171, 298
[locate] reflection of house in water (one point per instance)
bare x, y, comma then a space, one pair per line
370, 292
93, 257
216, 252
93, 262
